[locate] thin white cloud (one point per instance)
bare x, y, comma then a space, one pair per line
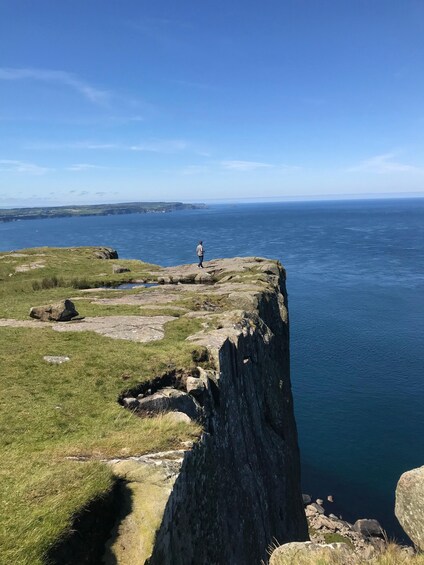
13, 166
78, 167
58, 77
153, 146
384, 164
195, 170
244, 165
161, 146
283, 167
167, 33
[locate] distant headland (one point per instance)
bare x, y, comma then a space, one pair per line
15, 214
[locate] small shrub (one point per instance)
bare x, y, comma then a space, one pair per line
49, 282
80, 283
337, 538
200, 354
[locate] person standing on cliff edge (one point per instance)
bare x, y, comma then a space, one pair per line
200, 253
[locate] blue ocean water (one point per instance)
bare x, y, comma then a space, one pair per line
356, 298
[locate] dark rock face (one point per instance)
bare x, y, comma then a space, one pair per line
62, 311
239, 489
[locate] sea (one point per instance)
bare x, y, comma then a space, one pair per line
355, 278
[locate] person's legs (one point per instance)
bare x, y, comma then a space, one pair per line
200, 261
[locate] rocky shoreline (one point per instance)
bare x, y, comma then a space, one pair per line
345, 542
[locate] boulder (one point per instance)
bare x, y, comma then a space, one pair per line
62, 311
409, 507
130, 403
169, 400
203, 277
368, 528
195, 387
328, 523
179, 417
291, 553
306, 499
105, 253
120, 269
313, 509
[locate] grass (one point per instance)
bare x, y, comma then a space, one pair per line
50, 412
60, 271
392, 555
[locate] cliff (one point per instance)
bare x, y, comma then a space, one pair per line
238, 488
202, 443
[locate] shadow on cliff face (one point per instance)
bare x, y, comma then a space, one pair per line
125, 497
91, 529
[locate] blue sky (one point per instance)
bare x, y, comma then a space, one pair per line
107, 101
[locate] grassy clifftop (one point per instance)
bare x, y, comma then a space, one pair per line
49, 412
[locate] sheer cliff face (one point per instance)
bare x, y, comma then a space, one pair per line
238, 489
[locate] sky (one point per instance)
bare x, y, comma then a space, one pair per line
118, 101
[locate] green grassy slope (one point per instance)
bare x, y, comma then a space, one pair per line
49, 412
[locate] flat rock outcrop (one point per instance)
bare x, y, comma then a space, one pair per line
409, 508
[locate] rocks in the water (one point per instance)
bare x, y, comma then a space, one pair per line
120, 269
306, 499
368, 527
330, 498
56, 359
363, 539
313, 509
409, 508
322, 521
62, 311
291, 553
105, 253
319, 501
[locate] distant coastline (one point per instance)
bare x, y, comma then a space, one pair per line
45, 212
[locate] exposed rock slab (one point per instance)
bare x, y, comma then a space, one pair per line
56, 359
134, 328
291, 553
30, 266
409, 508
148, 297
